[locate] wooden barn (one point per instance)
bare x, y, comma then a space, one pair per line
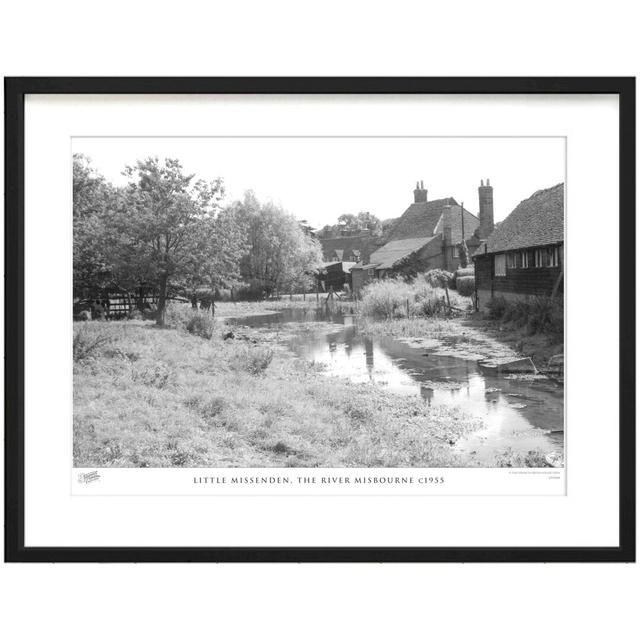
524, 256
335, 275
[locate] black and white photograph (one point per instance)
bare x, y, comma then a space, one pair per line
322, 301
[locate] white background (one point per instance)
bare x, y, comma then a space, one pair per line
586, 516
401, 38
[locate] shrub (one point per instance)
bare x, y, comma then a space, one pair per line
538, 314
534, 458
496, 307
466, 285
438, 278
87, 346
202, 325
386, 298
466, 271
178, 314
253, 360
157, 375
428, 301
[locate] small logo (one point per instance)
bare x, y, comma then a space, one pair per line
90, 476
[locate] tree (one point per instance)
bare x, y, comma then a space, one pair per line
349, 224
279, 254
165, 228
94, 200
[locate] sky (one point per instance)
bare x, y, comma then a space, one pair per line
319, 179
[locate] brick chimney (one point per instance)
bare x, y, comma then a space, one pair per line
485, 194
420, 193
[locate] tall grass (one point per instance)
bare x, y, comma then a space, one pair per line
87, 346
168, 399
394, 298
536, 315
184, 317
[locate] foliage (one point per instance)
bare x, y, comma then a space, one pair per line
534, 458
93, 202
201, 324
496, 306
438, 278
254, 360
537, 315
349, 224
466, 285
395, 298
279, 256
166, 227
87, 346
386, 298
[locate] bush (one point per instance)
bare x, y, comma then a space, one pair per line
157, 375
466, 285
496, 307
201, 324
466, 271
386, 298
178, 314
86, 346
428, 301
537, 314
438, 278
253, 360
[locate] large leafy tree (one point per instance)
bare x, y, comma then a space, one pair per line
94, 202
166, 233
279, 255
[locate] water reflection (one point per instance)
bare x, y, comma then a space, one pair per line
519, 414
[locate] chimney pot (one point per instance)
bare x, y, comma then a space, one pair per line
488, 184
419, 193
482, 183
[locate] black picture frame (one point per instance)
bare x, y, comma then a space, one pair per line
15, 91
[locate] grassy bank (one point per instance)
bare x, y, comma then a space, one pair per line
240, 309
149, 397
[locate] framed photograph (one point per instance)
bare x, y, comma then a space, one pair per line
320, 319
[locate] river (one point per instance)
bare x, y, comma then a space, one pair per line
519, 414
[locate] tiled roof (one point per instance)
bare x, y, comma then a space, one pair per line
471, 223
344, 246
537, 221
423, 219
390, 253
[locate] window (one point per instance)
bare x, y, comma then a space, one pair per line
541, 258
369, 272
525, 259
500, 265
548, 257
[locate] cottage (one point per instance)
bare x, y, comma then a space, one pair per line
349, 248
524, 255
426, 236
